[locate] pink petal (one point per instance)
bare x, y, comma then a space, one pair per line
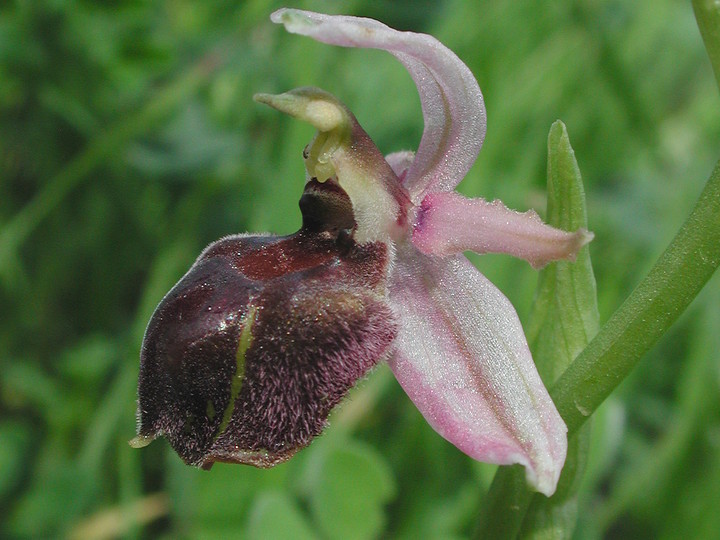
449, 223
463, 360
451, 100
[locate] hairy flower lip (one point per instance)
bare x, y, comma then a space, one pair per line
315, 321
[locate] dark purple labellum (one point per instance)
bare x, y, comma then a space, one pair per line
245, 357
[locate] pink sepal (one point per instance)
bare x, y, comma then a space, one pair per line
448, 223
462, 358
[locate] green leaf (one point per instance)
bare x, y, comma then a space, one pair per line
348, 487
275, 515
56, 496
16, 437
565, 314
564, 318
196, 494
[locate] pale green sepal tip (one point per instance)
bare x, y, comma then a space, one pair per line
140, 441
319, 108
290, 18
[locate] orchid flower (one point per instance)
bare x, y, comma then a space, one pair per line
246, 356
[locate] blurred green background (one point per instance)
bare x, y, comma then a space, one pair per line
129, 140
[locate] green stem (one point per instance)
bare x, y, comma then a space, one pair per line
707, 14
673, 282
505, 506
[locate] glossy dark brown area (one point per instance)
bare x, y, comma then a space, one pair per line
326, 207
188, 356
320, 323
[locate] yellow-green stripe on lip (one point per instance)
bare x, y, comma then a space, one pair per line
236, 383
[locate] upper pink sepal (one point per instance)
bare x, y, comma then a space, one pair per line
462, 357
452, 104
448, 223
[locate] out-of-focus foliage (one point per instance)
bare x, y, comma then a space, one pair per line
129, 140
